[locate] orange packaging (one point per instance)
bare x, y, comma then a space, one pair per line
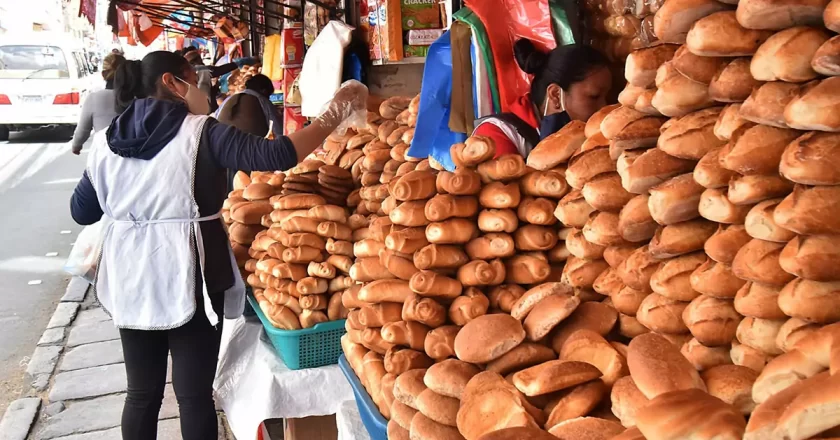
293, 120
390, 29
291, 44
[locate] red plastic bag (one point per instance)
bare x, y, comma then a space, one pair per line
529, 19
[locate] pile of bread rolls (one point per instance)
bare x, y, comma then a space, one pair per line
618, 26
246, 214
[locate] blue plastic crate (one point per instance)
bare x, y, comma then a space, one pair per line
375, 424
307, 348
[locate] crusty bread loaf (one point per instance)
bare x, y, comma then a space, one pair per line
763, 14
675, 200
547, 314
578, 246
759, 334
586, 166
810, 210
702, 357
826, 60
605, 193
553, 376
636, 270
811, 257
720, 34
672, 21
641, 133
758, 261
716, 206
627, 300
766, 104
602, 229
572, 210
668, 100
593, 124
786, 56
651, 168
558, 147
640, 67
759, 301
716, 280
627, 400
581, 273
811, 160
733, 82
615, 121
488, 337
525, 355
696, 68
680, 238
757, 150
760, 224
586, 427
692, 136
746, 190
725, 243
690, 413
657, 367
729, 122
578, 402
813, 301
662, 315
590, 347
490, 404
672, 278
710, 173
635, 223
712, 321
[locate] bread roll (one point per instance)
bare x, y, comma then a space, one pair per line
749, 357
605, 193
661, 314
590, 347
400, 360
602, 229
586, 427
747, 190
636, 270
482, 273
716, 280
711, 321
725, 243
640, 67
627, 400
758, 150
759, 301
572, 210
537, 211
426, 311
733, 82
809, 160
615, 121
550, 183
681, 238
440, 342
503, 297
506, 409
558, 147
444, 206
809, 210
410, 214
415, 185
311, 318
498, 195
627, 300
672, 21
676, 95
696, 68
710, 173
630, 327
786, 56
399, 266
766, 104
641, 133
449, 377
553, 376
651, 168
436, 256
811, 257
716, 206
535, 238
692, 136
243, 234
381, 291
676, 415
408, 387
367, 248
294, 272
377, 315
280, 316
635, 223
759, 334
547, 314
759, 223
524, 355
672, 277
526, 269
452, 231
825, 60
487, 338
298, 201
608, 283
720, 34
658, 367
339, 247
758, 261
475, 150
676, 200
704, 358
761, 14
250, 213
462, 182
729, 122
629, 95
406, 241
434, 285
586, 166
813, 301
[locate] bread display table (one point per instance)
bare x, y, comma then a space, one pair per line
253, 384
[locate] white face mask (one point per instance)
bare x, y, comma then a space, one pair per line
197, 101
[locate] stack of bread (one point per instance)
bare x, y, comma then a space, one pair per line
245, 213
617, 27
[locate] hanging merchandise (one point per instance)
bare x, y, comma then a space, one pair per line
482, 45
482, 93
321, 73
432, 136
315, 19
462, 113
272, 58
529, 19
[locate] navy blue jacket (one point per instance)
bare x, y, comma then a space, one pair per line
146, 127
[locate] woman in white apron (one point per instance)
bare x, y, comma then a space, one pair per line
167, 274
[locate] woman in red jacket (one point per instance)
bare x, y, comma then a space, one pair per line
569, 83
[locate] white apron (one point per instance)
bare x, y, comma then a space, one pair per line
146, 275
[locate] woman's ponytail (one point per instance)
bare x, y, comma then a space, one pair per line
128, 84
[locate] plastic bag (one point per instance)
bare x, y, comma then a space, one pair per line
347, 108
84, 257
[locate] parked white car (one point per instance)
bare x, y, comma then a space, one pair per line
44, 79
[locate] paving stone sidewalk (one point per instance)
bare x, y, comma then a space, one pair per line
77, 380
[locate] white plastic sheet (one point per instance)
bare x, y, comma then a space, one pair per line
350, 426
253, 384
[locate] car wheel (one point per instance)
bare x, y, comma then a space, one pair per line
4, 133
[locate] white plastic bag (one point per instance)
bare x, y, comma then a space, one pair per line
84, 256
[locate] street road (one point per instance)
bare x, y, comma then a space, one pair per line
37, 177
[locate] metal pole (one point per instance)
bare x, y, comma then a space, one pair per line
255, 36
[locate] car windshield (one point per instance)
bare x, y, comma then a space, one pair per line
36, 62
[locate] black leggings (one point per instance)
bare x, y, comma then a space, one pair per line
195, 350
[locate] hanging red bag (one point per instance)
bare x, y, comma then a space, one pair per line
529, 19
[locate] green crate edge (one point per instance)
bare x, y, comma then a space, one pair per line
294, 334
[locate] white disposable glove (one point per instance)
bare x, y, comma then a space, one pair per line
348, 108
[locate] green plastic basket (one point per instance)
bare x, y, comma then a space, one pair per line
307, 348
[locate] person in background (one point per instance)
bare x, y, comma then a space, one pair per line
570, 83
166, 270
98, 110
251, 111
207, 73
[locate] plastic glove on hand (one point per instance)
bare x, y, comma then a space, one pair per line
349, 101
